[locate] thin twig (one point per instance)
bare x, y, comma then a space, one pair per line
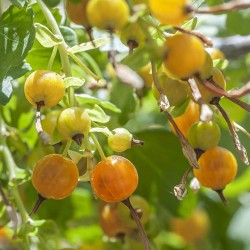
219, 9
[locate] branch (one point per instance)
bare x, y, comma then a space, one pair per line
222, 8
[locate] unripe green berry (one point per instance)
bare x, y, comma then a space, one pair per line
120, 140
204, 135
72, 122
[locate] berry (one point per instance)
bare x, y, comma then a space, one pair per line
188, 118
74, 123
206, 70
44, 88
114, 179
198, 221
120, 140
218, 167
185, 55
175, 90
76, 11
132, 36
110, 221
218, 78
49, 123
171, 12
216, 53
108, 14
204, 135
55, 177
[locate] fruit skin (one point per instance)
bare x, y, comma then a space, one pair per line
188, 118
55, 177
49, 123
73, 121
170, 12
193, 228
44, 86
207, 68
132, 35
76, 11
120, 140
218, 79
108, 14
110, 220
204, 135
185, 55
145, 74
215, 53
114, 179
175, 90
218, 167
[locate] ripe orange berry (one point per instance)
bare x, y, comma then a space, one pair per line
114, 179
185, 55
198, 221
171, 12
188, 118
218, 167
44, 88
55, 177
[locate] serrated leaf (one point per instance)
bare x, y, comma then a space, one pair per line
84, 98
45, 37
73, 82
89, 45
98, 115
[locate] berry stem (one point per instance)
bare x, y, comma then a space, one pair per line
61, 47
138, 223
52, 57
38, 203
67, 146
187, 150
221, 195
98, 146
239, 147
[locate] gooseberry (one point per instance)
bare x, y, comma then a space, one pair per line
185, 55
74, 123
218, 167
188, 118
44, 88
204, 135
114, 179
108, 14
198, 221
171, 12
54, 177
175, 90
218, 79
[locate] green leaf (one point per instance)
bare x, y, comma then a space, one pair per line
45, 37
19, 70
238, 22
73, 82
84, 98
5, 90
89, 45
17, 35
51, 3
98, 115
69, 35
103, 130
191, 24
